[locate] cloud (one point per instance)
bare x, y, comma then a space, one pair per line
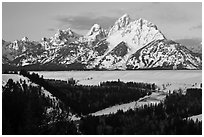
85, 22
172, 18
196, 27
118, 12
168, 12
193, 44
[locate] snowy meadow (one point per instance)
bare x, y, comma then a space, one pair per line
165, 79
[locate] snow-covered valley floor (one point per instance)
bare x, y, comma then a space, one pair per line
165, 79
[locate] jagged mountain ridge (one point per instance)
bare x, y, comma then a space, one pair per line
136, 44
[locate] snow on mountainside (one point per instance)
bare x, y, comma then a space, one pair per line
6, 52
64, 37
133, 35
13, 51
136, 34
95, 34
136, 44
25, 39
164, 54
119, 24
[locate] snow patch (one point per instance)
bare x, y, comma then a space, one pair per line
154, 98
196, 117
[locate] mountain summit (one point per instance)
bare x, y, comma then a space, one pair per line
95, 34
119, 24
129, 44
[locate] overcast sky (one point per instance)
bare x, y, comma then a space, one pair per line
37, 20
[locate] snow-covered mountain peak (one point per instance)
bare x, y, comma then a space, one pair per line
95, 34
68, 31
122, 22
144, 30
125, 19
96, 28
125, 16
143, 22
44, 39
59, 32
65, 34
136, 35
25, 39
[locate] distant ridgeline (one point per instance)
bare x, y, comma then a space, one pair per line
26, 110
127, 45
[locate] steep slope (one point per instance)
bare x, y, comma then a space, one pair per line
95, 34
164, 54
134, 35
116, 58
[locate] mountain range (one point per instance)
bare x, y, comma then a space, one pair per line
127, 45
